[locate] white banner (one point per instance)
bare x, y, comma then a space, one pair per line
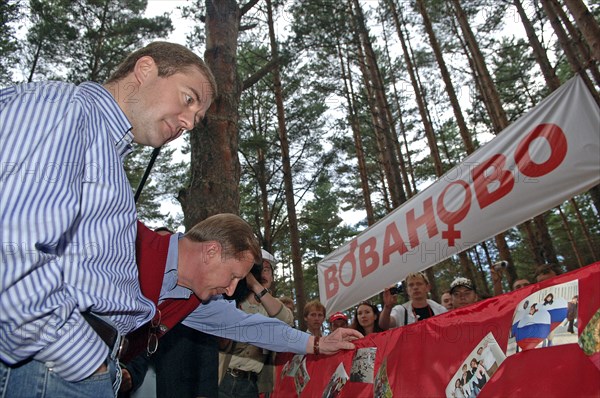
546, 157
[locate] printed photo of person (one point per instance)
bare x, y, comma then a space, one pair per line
545, 318
478, 368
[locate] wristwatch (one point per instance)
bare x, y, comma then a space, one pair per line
262, 293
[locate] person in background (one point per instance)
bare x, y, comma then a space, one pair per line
572, 313
520, 283
366, 319
338, 320
419, 307
544, 272
463, 292
247, 368
288, 302
447, 300
64, 189
314, 316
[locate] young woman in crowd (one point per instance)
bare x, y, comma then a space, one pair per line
366, 319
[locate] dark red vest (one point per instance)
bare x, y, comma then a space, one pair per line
151, 254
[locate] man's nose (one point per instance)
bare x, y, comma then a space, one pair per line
231, 288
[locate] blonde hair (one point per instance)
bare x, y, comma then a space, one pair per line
416, 275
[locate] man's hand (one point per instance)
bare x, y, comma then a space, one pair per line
389, 299
336, 341
253, 284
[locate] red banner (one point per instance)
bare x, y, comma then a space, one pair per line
427, 359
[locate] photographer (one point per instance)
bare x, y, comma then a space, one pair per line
418, 308
244, 368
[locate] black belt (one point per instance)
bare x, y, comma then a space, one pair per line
243, 374
108, 333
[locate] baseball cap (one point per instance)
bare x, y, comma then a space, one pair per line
336, 316
461, 282
268, 257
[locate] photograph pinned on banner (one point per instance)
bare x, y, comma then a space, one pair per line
363, 365
301, 377
477, 369
291, 367
545, 318
381, 387
589, 341
337, 381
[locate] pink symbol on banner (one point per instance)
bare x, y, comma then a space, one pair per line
533, 328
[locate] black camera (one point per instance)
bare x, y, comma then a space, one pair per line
500, 265
242, 290
396, 290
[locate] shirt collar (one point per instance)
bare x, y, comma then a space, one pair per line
119, 126
170, 288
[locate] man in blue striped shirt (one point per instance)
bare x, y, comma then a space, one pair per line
69, 219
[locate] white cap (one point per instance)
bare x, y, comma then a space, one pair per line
268, 257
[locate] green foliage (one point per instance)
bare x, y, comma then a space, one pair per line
9, 16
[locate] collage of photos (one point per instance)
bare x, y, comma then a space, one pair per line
477, 368
545, 318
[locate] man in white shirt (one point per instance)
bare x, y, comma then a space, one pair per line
418, 308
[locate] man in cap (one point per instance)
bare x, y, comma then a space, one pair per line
463, 292
338, 320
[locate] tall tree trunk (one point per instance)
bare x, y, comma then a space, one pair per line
545, 239
570, 53
287, 175
565, 222
215, 167
587, 24
392, 167
538, 50
356, 133
577, 41
429, 133
498, 115
397, 147
527, 230
586, 231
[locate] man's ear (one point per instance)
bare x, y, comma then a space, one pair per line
144, 68
213, 249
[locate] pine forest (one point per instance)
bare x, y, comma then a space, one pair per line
332, 113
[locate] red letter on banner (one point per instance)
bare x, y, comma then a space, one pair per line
558, 146
392, 242
349, 259
483, 182
428, 218
368, 254
331, 282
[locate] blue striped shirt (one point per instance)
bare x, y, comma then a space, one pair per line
68, 225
